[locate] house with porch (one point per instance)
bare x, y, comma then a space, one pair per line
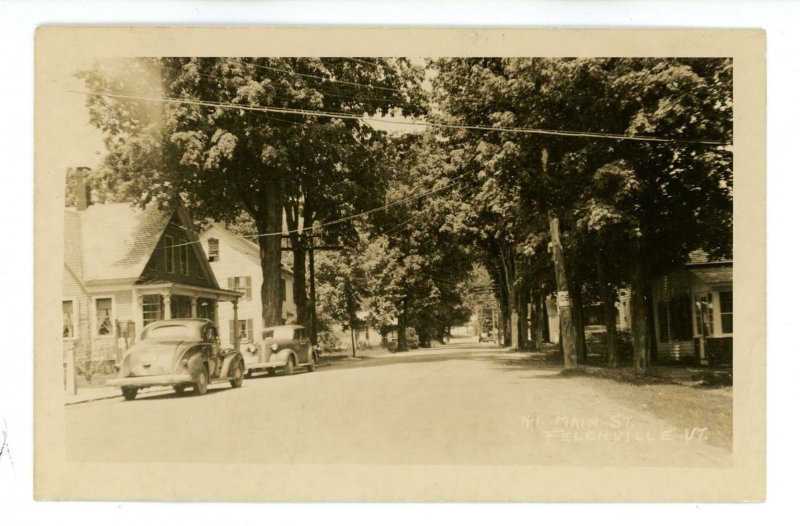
693, 313
125, 267
236, 262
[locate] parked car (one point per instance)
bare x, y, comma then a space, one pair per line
181, 353
283, 347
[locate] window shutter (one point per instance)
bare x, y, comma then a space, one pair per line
250, 329
230, 283
231, 331
248, 288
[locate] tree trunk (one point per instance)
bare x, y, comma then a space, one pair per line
567, 332
577, 320
639, 318
402, 345
501, 321
299, 283
567, 329
537, 320
545, 320
513, 307
522, 302
609, 297
353, 338
269, 226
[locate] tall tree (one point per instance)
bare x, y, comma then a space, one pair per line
182, 127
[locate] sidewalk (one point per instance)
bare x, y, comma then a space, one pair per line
91, 394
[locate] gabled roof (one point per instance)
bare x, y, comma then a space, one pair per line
116, 239
240, 244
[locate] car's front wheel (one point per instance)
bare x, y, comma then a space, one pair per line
201, 384
288, 369
238, 375
129, 392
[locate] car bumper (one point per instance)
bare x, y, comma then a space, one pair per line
147, 381
263, 365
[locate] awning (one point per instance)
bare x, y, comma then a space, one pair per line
713, 275
189, 290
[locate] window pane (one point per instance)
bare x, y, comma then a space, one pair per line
151, 308
69, 326
213, 249
726, 310
103, 311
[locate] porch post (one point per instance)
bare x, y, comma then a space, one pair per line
236, 325
167, 305
194, 306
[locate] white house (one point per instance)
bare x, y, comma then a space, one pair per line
237, 265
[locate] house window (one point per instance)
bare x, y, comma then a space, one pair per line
68, 311
102, 308
726, 310
243, 330
213, 249
183, 257
151, 308
704, 314
169, 254
242, 284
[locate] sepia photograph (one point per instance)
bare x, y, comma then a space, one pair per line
339, 261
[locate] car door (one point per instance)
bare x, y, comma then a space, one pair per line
301, 345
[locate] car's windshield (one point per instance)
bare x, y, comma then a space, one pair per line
165, 333
281, 333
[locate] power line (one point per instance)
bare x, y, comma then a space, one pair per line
453, 182
408, 122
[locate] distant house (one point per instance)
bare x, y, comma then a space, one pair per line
236, 262
594, 317
693, 311
125, 267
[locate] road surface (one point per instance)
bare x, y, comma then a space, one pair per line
464, 403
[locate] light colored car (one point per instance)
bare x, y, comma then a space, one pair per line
181, 353
283, 348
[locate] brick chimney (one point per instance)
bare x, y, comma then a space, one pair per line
82, 191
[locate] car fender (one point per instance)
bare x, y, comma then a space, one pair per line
229, 362
196, 360
282, 356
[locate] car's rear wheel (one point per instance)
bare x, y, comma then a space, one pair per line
312, 362
238, 375
201, 385
129, 392
288, 369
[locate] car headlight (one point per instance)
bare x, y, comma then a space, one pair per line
274, 346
